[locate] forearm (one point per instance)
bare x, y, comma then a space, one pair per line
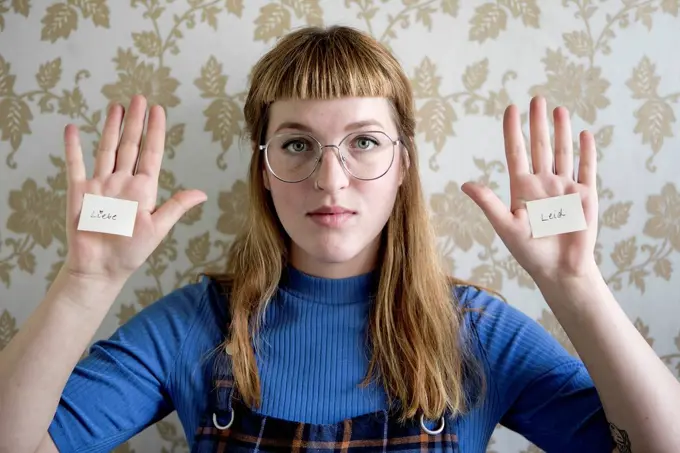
639, 394
36, 364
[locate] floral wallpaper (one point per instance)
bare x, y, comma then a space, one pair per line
611, 62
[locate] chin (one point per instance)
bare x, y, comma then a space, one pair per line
332, 254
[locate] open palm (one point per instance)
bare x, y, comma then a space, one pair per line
557, 256
126, 169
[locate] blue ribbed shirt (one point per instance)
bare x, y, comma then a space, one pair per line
311, 358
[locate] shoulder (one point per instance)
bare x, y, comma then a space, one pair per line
502, 328
142, 372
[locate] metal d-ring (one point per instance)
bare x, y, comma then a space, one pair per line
429, 431
218, 426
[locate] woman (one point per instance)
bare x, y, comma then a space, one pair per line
334, 328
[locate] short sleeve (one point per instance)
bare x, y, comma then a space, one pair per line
121, 388
545, 394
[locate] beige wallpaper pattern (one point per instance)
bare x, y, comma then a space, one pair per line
613, 63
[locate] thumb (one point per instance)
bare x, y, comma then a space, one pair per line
493, 208
169, 213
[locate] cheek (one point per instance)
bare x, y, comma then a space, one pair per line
288, 198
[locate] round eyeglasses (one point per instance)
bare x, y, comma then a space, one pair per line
293, 157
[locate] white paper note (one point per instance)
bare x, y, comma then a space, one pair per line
556, 215
108, 215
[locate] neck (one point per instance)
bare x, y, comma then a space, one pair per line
362, 263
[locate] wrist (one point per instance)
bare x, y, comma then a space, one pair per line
86, 291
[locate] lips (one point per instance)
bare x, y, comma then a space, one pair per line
331, 210
331, 216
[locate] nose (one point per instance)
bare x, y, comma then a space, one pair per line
330, 175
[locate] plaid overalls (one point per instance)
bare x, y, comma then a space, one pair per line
231, 427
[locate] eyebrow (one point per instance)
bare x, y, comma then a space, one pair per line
349, 127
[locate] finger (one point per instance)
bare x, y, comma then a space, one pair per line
587, 168
515, 149
154, 144
564, 149
493, 208
169, 213
541, 153
130, 141
75, 166
106, 152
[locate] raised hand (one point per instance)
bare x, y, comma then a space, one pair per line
551, 257
118, 174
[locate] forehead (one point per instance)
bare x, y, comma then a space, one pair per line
330, 116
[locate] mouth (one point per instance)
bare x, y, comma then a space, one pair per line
332, 216
331, 210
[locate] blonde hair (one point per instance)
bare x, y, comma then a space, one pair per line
418, 353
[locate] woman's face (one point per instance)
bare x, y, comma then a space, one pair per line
333, 218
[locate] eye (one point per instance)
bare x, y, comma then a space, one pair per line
295, 146
365, 143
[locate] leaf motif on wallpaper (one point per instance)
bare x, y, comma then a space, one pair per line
141, 78
487, 23
22, 7
234, 206
166, 252
235, 7
426, 82
456, 216
579, 88
644, 13
26, 262
490, 19
655, 117
37, 212
273, 22
6, 273
616, 215
8, 326
579, 43
148, 43
61, 19
223, 120
174, 136
125, 313
476, 74
310, 10
198, 248
72, 103
97, 10
450, 7
517, 272
224, 115
644, 82
664, 222
54, 271
15, 116
147, 296
435, 119
654, 122
624, 252
49, 74
209, 16
496, 103
644, 330
487, 276
663, 269
671, 7
528, 10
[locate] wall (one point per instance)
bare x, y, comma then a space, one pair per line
612, 63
